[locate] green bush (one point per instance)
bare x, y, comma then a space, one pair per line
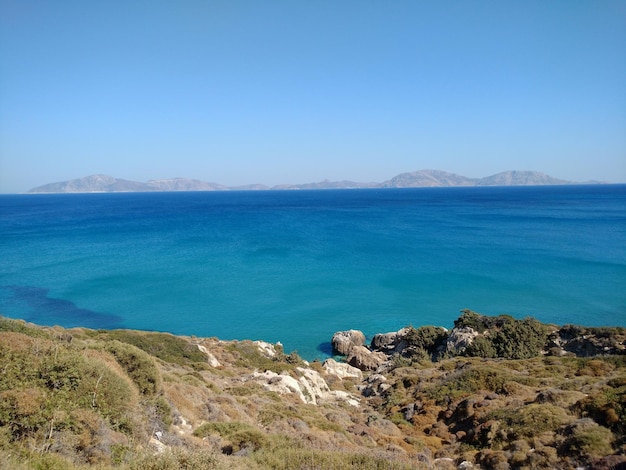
507, 337
57, 395
249, 356
606, 406
139, 366
520, 339
531, 420
236, 434
586, 439
175, 459
471, 319
20, 326
468, 381
167, 347
481, 347
424, 341
284, 452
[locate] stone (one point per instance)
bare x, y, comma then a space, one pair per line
342, 370
390, 342
459, 339
267, 349
211, 359
344, 341
374, 385
309, 386
364, 359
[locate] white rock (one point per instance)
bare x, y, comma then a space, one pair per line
212, 360
344, 341
342, 370
459, 339
181, 426
314, 384
279, 383
158, 446
341, 395
310, 386
266, 349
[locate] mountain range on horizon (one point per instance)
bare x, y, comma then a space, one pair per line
415, 179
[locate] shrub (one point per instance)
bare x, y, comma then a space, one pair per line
162, 412
531, 420
249, 356
20, 412
139, 366
585, 439
481, 347
175, 459
594, 367
607, 406
471, 319
294, 458
20, 326
468, 381
167, 347
425, 340
237, 435
507, 337
56, 396
520, 339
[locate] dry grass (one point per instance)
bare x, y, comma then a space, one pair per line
79, 399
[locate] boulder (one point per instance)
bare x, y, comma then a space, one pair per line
342, 370
364, 359
344, 341
267, 349
280, 383
374, 385
459, 339
309, 386
211, 359
390, 342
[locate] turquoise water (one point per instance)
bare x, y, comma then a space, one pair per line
296, 266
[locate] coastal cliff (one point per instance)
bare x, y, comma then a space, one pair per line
493, 392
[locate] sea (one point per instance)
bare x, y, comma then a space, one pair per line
296, 266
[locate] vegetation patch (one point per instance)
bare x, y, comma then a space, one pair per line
531, 420
236, 435
82, 399
139, 366
507, 337
167, 347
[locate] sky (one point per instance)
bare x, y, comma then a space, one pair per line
295, 91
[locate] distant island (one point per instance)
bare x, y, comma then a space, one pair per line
415, 179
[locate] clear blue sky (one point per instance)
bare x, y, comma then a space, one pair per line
293, 91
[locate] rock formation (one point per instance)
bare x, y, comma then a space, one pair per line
344, 341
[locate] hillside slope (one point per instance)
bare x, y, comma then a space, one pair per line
492, 393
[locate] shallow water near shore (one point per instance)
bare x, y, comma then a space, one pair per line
296, 266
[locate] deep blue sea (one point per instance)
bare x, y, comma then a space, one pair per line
296, 266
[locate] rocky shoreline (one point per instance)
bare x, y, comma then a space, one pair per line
528, 338
493, 392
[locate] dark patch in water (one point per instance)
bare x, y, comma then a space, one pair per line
45, 310
326, 348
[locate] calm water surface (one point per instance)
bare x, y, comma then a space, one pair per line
296, 266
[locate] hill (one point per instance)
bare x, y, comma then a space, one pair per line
422, 178
428, 178
494, 392
520, 178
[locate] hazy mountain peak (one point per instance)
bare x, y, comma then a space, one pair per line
520, 178
414, 179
